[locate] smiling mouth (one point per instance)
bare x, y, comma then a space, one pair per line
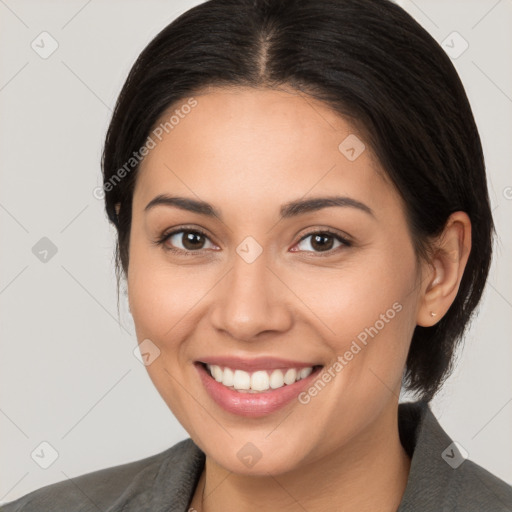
258, 381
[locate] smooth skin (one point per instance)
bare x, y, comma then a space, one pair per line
247, 152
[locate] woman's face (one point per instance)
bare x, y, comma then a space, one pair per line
266, 289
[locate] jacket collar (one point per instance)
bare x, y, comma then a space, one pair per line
420, 433
431, 451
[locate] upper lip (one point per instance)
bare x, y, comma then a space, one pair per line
256, 363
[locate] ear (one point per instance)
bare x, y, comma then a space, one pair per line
117, 207
450, 255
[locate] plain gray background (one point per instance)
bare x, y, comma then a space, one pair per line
68, 373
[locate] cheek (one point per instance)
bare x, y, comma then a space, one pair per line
162, 296
366, 314
159, 294
348, 299
162, 299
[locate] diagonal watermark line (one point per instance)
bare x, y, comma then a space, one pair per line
500, 497
424, 13
217, 486
7, 7
86, 85
14, 218
198, 402
74, 218
192, 307
14, 76
398, 396
300, 300
508, 401
13, 279
286, 491
492, 81
104, 395
17, 426
96, 300
76, 14
279, 424
82, 491
9, 491
502, 296
485, 15
307, 192
195, 194
304, 97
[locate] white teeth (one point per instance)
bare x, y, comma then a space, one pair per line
290, 376
276, 379
304, 372
241, 380
217, 373
258, 381
228, 377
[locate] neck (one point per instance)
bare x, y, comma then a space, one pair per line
370, 474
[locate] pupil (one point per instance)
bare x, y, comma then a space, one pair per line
190, 237
322, 246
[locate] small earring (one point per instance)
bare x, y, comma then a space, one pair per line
433, 314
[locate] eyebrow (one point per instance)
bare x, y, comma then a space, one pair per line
287, 210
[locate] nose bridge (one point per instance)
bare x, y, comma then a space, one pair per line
250, 300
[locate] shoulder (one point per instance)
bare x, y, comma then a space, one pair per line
117, 485
478, 489
441, 476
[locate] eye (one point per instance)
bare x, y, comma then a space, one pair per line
187, 241
322, 241
184, 240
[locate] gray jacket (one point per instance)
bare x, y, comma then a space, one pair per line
440, 479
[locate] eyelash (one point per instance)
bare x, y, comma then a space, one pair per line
166, 236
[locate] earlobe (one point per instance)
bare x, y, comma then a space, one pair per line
451, 252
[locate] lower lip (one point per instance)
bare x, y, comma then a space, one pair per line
252, 405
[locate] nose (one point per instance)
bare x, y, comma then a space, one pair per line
251, 301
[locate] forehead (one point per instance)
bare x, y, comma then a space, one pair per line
261, 145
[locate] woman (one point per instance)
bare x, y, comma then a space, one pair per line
303, 222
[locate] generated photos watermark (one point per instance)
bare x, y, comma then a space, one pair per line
328, 374
156, 135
